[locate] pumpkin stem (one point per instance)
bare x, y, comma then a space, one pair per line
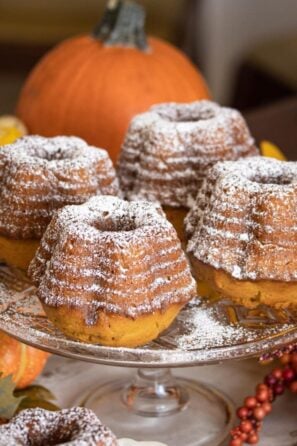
122, 25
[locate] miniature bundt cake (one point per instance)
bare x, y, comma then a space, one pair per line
243, 231
167, 151
39, 175
112, 272
37, 427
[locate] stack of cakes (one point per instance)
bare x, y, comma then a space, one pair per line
112, 271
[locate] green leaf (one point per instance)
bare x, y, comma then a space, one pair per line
36, 396
42, 404
35, 392
8, 402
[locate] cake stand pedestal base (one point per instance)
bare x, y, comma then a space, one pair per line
157, 406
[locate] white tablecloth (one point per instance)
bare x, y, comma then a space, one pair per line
67, 379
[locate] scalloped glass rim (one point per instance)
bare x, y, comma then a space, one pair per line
27, 324
144, 357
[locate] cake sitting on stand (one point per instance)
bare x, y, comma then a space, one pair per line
242, 231
38, 176
167, 151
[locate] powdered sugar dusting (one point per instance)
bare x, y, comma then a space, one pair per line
207, 331
208, 327
39, 175
123, 257
76, 426
245, 219
255, 331
167, 150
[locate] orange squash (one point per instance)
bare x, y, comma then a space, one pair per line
92, 85
24, 363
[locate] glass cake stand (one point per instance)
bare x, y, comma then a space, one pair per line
154, 405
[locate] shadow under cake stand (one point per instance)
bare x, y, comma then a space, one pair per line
154, 405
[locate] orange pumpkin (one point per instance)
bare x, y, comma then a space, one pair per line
23, 362
92, 85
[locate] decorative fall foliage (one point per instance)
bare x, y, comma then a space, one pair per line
13, 401
91, 86
21, 361
11, 128
271, 150
8, 401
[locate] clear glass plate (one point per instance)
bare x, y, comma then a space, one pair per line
203, 333
154, 405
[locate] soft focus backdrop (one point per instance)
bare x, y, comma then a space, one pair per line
246, 48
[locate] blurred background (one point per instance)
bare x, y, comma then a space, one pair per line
246, 48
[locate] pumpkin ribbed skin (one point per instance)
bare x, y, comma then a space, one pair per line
87, 89
25, 363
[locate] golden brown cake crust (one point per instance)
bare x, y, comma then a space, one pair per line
113, 329
167, 150
176, 216
18, 253
111, 257
39, 175
245, 220
245, 292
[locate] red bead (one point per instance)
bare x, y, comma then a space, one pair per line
270, 380
253, 439
285, 359
271, 395
235, 431
259, 413
246, 426
278, 389
293, 387
288, 375
262, 387
267, 407
242, 413
236, 442
250, 402
262, 395
277, 373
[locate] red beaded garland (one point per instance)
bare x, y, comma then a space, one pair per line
255, 408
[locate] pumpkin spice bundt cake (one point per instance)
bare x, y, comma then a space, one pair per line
112, 272
39, 175
38, 427
243, 231
167, 151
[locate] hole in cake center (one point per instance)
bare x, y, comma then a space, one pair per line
56, 442
54, 155
108, 224
59, 155
278, 181
188, 116
56, 434
54, 438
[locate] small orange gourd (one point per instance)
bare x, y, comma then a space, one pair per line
21, 361
92, 85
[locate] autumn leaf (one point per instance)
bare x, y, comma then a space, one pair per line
9, 403
36, 396
271, 150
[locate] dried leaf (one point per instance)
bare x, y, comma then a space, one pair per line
9, 403
36, 396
